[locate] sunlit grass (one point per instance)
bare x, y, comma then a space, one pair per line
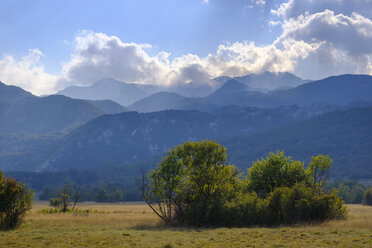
123, 225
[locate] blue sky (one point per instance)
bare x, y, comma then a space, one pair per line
48, 45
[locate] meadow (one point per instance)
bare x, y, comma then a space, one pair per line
135, 225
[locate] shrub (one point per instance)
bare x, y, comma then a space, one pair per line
303, 204
15, 201
367, 197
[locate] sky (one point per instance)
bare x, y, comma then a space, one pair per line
48, 45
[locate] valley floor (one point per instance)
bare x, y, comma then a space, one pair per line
129, 225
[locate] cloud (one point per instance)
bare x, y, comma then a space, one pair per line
342, 39
27, 73
350, 33
295, 8
98, 55
318, 39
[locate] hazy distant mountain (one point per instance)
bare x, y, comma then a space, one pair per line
195, 89
339, 90
108, 106
131, 136
346, 136
231, 86
223, 79
158, 102
109, 89
22, 112
269, 81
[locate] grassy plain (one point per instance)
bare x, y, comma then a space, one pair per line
128, 225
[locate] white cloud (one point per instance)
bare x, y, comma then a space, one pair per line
295, 8
98, 55
27, 73
344, 40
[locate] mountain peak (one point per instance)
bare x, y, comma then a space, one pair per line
231, 86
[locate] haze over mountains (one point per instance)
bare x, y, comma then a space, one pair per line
304, 118
127, 94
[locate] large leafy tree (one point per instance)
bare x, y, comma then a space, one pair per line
191, 183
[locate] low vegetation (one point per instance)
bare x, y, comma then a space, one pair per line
194, 186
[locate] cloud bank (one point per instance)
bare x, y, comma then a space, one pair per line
318, 39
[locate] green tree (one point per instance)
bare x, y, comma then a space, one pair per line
190, 183
318, 170
276, 170
65, 201
15, 201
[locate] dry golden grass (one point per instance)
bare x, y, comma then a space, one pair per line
137, 226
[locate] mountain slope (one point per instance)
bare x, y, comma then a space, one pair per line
108, 106
158, 102
131, 136
22, 112
344, 135
339, 90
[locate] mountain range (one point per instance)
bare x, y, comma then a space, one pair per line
337, 90
127, 94
56, 132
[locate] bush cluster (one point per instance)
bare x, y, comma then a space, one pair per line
194, 186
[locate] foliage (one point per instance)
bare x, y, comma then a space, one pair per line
63, 199
318, 170
367, 198
194, 186
191, 184
55, 202
276, 170
350, 191
15, 201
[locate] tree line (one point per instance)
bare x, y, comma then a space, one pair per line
194, 185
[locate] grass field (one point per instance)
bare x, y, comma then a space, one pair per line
126, 225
